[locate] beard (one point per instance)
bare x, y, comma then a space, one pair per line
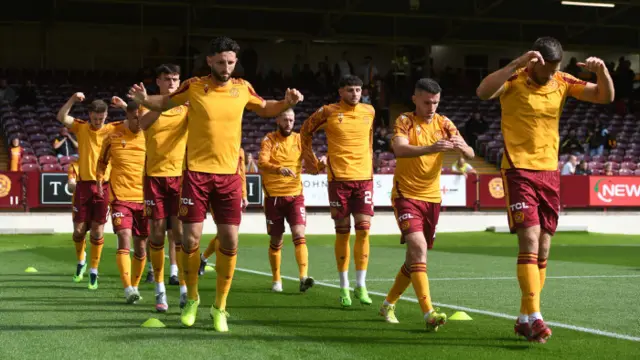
284, 132
219, 77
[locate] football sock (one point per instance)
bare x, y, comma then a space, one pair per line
157, 260
191, 263
81, 246
529, 280
302, 257
542, 267
211, 249
225, 267
361, 252
96, 253
275, 259
137, 268
421, 286
342, 254
123, 259
179, 260
400, 285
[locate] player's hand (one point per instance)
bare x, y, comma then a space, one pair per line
138, 93
78, 97
71, 185
293, 96
323, 160
100, 189
118, 102
529, 57
442, 146
284, 171
245, 203
594, 65
458, 142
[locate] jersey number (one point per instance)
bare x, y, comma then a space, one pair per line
303, 213
367, 197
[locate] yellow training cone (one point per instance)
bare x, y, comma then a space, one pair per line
153, 323
460, 316
30, 269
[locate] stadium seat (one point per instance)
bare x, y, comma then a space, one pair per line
30, 167
64, 160
51, 167
47, 159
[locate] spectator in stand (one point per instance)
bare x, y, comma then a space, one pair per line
583, 168
474, 127
571, 144
6, 92
572, 67
15, 163
380, 140
252, 164
366, 97
64, 144
463, 167
381, 102
597, 138
368, 72
608, 169
27, 95
569, 167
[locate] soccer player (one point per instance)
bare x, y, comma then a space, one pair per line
212, 248
212, 178
124, 148
90, 209
280, 165
349, 129
532, 93
166, 136
419, 142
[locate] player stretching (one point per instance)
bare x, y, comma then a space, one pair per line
166, 136
349, 128
420, 138
212, 248
280, 165
124, 148
532, 92
212, 178
89, 208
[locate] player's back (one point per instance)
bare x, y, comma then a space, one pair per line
89, 145
284, 152
349, 131
215, 122
419, 177
127, 157
166, 142
531, 117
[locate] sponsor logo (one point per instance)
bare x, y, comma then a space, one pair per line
150, 203
269, 222
149, 211
404, 225
234, 92
123, 142
496, 188
117, 215
335, 204
620, 191
117, 221
206, 88
75, 209
5, 185
405, 217
340, 117
518, 206
183, 210
518, 217
186, 201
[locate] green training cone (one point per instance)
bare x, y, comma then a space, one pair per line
153, 323
30, 269
460, 316
209, 268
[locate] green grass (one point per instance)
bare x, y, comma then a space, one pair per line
46, 315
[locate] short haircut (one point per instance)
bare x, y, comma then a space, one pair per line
549, 48
349, 80
167, 69
429, 85
132, 106
222, 44
289, 110
98, 106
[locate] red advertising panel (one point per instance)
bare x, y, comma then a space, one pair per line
608, 191
491, 192
574, 191
11, 190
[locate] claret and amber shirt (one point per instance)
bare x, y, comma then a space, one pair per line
166, 143
531, 118
89, 145
349, 131
418, 178
276, 152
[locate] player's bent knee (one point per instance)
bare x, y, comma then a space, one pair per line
528, 238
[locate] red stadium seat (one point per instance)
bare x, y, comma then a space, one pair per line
30, 167
51, 167
47, 159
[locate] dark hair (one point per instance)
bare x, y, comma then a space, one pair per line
549, 48
167, 69
349, 80
222, 44
429, 85
132, 106
98, 106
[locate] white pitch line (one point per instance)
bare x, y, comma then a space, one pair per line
463, 308
503, 278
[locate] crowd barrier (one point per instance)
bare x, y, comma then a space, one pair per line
32, 190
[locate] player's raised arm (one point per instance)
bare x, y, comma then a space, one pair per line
314, 123
271, 108
601, 93
159, 103
493, 85
63, 113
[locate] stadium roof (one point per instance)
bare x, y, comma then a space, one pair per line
474, 22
